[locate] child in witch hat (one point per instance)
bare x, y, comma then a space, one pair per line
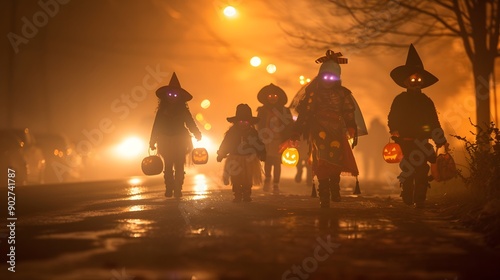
172, 129
274, 125
244, 151
412, 121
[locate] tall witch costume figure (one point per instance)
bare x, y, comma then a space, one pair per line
327, 119
412, 121
244, 150
274, 125
172, 129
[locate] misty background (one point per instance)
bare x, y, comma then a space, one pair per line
90, 68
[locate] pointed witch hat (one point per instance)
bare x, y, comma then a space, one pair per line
413, 65
174, 87
243, 113
269, 89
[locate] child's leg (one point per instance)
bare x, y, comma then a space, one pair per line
267, 175
246, 191
179, 178
298, 174
408, 189
238, 193
324, 192
407, 175
237, 180
276, 174
168, 176
335, 186
421, 185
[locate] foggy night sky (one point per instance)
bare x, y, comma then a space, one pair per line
72, 74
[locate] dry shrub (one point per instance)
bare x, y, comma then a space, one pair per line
483, 181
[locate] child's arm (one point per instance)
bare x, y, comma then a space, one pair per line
222, 152
191, 125
224, 147
154, 133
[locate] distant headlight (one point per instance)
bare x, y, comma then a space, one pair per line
206, 143
130, 147
58, 153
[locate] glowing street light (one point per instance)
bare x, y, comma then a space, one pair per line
199, 117
271, 68
205, 104
303, 80
255, 61
230, 12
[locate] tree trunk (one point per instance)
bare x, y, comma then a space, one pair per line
482, 61
482, 90
482, 69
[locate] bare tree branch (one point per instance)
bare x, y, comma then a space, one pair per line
444, 4
434, 15
364, 24
461, 24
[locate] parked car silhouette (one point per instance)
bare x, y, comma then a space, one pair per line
63, 163
32, 154
11, 157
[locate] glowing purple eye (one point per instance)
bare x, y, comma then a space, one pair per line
329, 77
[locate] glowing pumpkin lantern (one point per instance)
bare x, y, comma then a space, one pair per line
152, 165
392, 153
290, 157
199, 156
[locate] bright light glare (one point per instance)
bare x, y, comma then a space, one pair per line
130, 147
199, 117
271, 68
206, 143
255, 61
205, 104
136, 208
230, 11
135, 192
200, 187
303, 80
134, 181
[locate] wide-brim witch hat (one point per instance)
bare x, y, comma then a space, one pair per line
243, 113
413, 65
270, 89
174, 87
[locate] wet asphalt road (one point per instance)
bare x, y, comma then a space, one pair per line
127, 229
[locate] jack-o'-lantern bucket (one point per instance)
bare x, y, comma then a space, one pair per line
152, 164
392, 153
199, 156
